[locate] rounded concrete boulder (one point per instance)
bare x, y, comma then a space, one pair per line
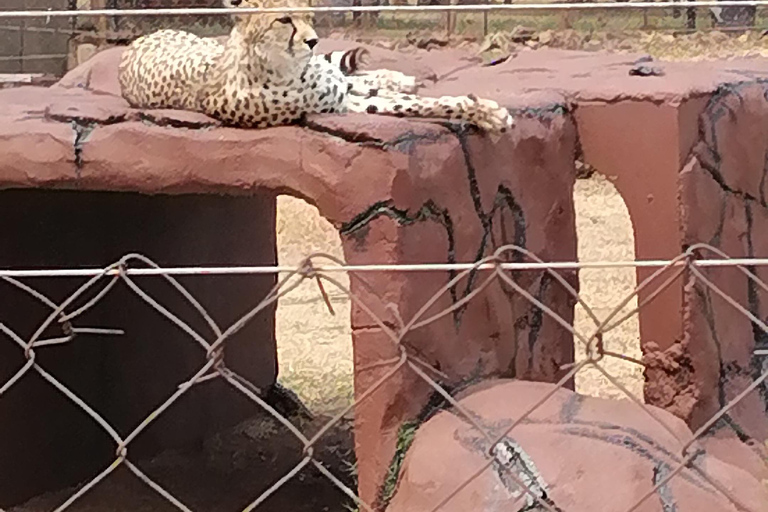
576, 453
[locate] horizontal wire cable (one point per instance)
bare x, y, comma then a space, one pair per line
557, 6
393, 267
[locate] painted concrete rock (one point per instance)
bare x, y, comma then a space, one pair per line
576, 453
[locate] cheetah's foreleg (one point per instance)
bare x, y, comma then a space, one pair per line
485, 114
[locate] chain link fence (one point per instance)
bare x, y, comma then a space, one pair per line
65, 317
133, 26
49, 47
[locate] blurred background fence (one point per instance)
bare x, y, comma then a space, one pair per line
49, 47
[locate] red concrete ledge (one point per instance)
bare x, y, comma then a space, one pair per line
400, 191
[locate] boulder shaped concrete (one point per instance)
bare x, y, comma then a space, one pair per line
576, 453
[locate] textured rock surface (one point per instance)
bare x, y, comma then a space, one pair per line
459, 197
399, 191
637, 130
418, 191
724, 203
580, 453
47, 442
687, 153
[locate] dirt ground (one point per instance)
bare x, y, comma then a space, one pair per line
229, 472
315, 348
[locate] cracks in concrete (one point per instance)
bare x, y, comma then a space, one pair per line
404, 142
544, 113
724, 368
757, 364
88, 120
634, 98
428, 211
83, 131
171, 122
83, 127
621, 437
536, 316
707, 153
357, 228
504, 200
353, 137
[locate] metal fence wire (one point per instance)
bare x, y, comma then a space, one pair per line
66, 315
46, 41
128, 27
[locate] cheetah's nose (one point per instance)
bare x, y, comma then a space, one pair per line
311, 42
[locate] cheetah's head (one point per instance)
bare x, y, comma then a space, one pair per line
282, 38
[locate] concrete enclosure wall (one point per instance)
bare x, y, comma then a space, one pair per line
19, 38
693, 171
50, 442
398, 191
723, 192
687, 155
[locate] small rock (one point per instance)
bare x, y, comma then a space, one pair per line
625, 45
667, 38
644, 58
546, 37
646, 71
593, 45
521, 34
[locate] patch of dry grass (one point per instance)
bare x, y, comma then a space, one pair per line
605, 234
694, 46
315, 348
657, 34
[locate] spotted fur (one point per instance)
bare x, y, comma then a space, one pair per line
266, 74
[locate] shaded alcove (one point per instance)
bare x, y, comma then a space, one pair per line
46, 441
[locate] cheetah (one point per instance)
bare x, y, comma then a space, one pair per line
267, 74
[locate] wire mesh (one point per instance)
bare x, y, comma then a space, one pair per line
134, 26
65, 316
25, 46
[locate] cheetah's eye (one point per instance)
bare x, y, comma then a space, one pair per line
285, 19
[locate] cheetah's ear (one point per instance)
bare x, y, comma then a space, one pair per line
361, 57
352, 60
